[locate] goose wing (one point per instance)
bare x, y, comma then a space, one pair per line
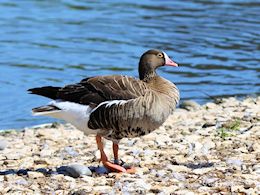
96, 90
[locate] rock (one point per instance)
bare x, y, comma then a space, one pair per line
21, 181
178, 168
3, 144
51, 134
81, 191
28, 133
58, 177
179, 176
163, 140
75, 170
1, 178
256, 169
22, 172
208, 124
236, 162
46, 153
46, 150
186, 155
13, 156
34, 175
210, 181
55, 161
190, 105
186, 192
70, 179
201, 171
71, 151
210, 105
99, 170
102, 189
89, 180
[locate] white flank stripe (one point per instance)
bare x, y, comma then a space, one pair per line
76, 114
110, 103
119, 102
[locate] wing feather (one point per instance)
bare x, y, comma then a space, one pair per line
96, 90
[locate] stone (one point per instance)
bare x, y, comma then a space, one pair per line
210, 105
28, 133
46, 153
51, 134
178, 168
75, 170
54, 161
3, 144
58, 177
102, 189
186, 192
71, 151
179, 176
21, 181
190, 105
186, 155
201, 171
34, 175
89, 180
236, 162
13, 156
70, 179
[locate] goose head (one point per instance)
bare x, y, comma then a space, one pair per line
150, 61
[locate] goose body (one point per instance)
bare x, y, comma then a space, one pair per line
115, 106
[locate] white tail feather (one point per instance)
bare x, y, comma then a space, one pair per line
76, 114
47, 113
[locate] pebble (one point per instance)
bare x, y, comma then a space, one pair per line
71, 151
89, 180
201, 171
76, 170
3, 144
22, 181
190, 105
34, 175
178, 168
186, 155
236, 162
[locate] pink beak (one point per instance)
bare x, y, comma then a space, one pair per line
168, 61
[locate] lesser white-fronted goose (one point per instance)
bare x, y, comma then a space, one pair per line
115, 107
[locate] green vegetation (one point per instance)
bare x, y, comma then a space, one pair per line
223, 133
233, 125
7, 132
228, 128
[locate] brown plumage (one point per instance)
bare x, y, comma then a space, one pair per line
121, 106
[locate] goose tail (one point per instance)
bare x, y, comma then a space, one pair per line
47, 110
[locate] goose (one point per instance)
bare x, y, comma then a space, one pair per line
115, 106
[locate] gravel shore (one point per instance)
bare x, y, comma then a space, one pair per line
213, 148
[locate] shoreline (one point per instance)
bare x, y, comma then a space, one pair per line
208, 148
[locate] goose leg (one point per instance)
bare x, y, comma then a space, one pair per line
115, 151
116, 160
110, 166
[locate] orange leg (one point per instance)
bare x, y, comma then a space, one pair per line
115, 151
110, 166
116, 160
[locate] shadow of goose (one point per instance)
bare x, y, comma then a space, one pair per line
74, 171
199, 165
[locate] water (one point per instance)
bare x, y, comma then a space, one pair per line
60, 42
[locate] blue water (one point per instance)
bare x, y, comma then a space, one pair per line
55, 42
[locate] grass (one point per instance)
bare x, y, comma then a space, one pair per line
7, 132
227, 129
223, 133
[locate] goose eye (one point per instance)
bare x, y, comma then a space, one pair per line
160, 55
